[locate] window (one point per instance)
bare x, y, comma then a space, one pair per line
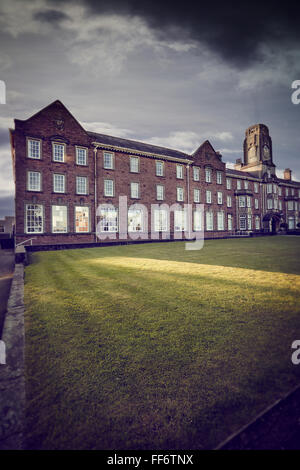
81, 156
257, 223
279, 191
242, 201
290, 205
274, 188
248, 201
275, 203
256, 187
180, 221
58, 183
209, 220
135, 220
2, 228
134, 164
238, 184
179, 172
229, 221
280, 205
220, 220
243, 222
135, 190
81, 184
249, 222
208, 197
207, 175
58, 152
292, 192
34, 218
286, 191
269, 188
34, 149
229, 201
197, 221
108, 188
228, 183
82, 219
196, 195
219, 177
108, 160
291, 223
270, 203
159, 166
160, 220
179, 194
256, 203
246, 184
196, 173
108, 219
220, 197
59, 219
160, 190
33, 181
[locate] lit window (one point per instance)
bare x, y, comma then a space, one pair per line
59, 219
58, 183
160, 192
179, 171
33, 148
196, 173
108, 219
108, 188
34, 218
81, 184
58, 152
179, 194
135, 190
108, 160
196, 195
159, 167
81, 156
135, 220
134, 164
82, 219
33, 181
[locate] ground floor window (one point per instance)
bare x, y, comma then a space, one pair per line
82, 219
198, 221
249, 222
160, 220
257, 222
220, 220
229, 221
243, 225
59, 219
135, 220
209, 221
108, 219
34, 218
291, 223
180, 222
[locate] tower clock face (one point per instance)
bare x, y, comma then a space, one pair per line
266, 152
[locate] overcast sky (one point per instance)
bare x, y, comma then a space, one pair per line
172, 74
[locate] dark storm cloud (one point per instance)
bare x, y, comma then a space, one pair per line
50, 16
234, 30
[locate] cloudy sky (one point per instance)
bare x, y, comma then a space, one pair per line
173, 74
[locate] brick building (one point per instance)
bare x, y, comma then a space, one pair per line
63, 173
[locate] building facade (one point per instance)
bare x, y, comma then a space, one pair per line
63, 173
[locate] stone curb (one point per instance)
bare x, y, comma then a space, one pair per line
12, 380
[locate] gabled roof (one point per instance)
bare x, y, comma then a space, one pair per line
138, 146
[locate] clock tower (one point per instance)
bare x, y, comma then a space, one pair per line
258, 155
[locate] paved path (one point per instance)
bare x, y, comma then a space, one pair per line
7, 262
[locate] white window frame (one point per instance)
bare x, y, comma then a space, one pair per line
256, 203
220, 220
34, 152
134, 164
110, 163
228, 183
243, 226
109, 219
208, 196
83, 209
196, 173
135, 220
160, 220
79, 180
37, 220
229, 201
160, 192
31, 184
134, 190
229, 222
208, 174
81, 156
256, 187
219, 177
63, 208
209, 219
159, 168
242, 201
220, 197
57, 186
238, 184
196, 195
179, 194
57, 156
106, 192
179, 172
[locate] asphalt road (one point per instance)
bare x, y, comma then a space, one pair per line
7, 263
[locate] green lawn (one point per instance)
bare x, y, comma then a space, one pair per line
155, 347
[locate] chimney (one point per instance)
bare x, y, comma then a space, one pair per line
287, 174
